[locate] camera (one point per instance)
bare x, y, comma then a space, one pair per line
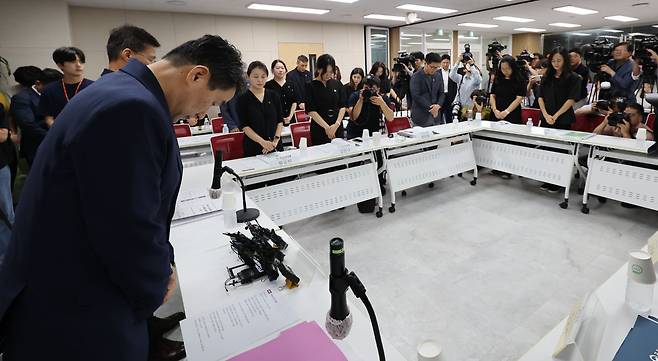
481, 99
616, 106
467, 56
456, 108
596, 54
492, 50
523, 58
403, 58
368, 91
642, 46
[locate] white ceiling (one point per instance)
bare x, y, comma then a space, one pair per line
540, 10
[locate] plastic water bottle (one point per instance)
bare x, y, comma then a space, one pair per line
455, 120
529, 124
225, 129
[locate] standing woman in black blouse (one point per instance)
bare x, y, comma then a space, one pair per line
261, 117
356, 82
559, 90
508, 91
285, 90
325, 103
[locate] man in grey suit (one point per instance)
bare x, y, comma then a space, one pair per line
427, 93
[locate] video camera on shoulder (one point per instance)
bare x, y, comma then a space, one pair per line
466, 57
523, 58
598, 53
492, 52
642, 45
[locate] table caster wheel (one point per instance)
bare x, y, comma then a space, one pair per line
460, 175
431, 185
474, 182
564, 204
404, 193
379, 213
391, 209
585, 209
602, 199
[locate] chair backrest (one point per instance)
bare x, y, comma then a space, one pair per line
397, 124
651, 119
217, 124
587, 122
299, 130
182, 130
532, 113
230, 144
302, 117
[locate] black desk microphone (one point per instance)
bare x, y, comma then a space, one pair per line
339, 319
215, 190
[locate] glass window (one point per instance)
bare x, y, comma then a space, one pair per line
377, 45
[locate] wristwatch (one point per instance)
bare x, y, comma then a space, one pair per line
276, 137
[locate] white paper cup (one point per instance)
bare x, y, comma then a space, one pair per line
303, 143
429, 350
641, 134
640, 267
365, 134
376, 138
478, 116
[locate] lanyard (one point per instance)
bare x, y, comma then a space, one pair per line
66, 95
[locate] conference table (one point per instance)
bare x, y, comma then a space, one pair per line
296, 184
203, 255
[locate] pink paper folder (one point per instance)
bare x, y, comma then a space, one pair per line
303, 342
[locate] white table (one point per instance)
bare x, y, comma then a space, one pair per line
200, 248
622, 169
546, 155
447, 150
611, 294
347, 178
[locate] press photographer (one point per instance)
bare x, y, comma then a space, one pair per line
494, 55
467, 76
577, 66
623, 120
620, 70
405, 66
646, 58
478, 104
366, 109
598, 54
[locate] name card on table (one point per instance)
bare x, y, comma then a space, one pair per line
277, 158
416, 133
583, 331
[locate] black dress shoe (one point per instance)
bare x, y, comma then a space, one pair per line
159, 326
166, 350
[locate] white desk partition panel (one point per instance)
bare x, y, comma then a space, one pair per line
310, 196
611, 178
427, 163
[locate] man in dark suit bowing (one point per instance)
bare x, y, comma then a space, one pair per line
90, 258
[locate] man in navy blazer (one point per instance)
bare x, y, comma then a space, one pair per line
90, 258
427, 92
26, 113
620, 69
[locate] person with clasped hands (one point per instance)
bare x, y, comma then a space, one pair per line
427, 93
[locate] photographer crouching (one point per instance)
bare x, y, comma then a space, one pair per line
366, 109
622, 120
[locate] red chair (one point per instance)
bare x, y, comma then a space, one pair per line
217, 124
651, 119
587, 122
532, 113
230, 144
397, 124
182, 130
299, 130
302, 117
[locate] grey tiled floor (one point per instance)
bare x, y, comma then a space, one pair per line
486, 270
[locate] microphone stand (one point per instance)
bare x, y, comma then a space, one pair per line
245, 214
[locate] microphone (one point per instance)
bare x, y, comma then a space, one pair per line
652, 99
215, 190
245, 214
339, 319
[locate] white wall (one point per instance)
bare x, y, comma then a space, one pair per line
31, 29
256, 38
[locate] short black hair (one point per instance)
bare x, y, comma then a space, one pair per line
131, 37
432, 58
638, 107
222, 58
324, 62
68, 53
628, 46
444, 57
279, 61
478, 93
302, 59
257, 65
576, 51
27, 75
418, 55
49, 75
